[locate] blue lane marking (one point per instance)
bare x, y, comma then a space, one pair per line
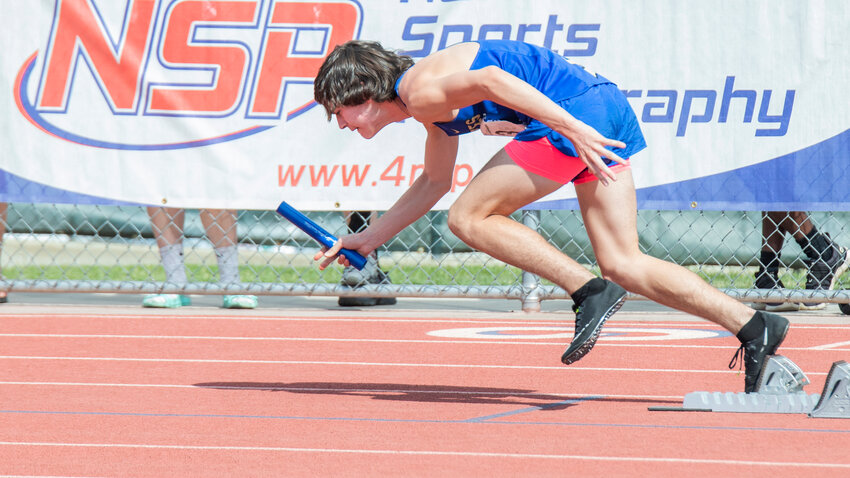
399, 420
202, 415
532, 409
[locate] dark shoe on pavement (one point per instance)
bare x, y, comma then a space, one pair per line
365, 301
370, 274
590, 317
753, 352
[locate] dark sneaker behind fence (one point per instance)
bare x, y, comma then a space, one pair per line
769, 279
370, 274
754, 351
823, 272
591, 315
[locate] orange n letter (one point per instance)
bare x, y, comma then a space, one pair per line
78, 30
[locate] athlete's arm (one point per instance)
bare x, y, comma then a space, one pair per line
434, 182
433, 97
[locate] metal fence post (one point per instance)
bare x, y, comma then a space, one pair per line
530, 282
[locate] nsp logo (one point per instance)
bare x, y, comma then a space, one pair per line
232, 60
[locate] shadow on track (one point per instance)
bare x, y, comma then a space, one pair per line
421, 393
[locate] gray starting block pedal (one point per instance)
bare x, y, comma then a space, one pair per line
780, 376
835, 400
780, 390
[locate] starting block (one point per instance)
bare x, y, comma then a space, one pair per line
835, 400
780, 390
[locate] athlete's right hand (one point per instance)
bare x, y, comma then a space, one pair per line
354, 242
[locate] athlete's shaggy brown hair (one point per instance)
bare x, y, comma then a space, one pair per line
358, 71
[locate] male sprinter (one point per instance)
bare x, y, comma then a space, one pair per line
562, 117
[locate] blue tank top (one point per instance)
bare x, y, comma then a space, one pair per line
540, 67
563, 82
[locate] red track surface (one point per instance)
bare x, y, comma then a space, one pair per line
179, 396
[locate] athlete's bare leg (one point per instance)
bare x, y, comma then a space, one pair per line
610, 217
479, 218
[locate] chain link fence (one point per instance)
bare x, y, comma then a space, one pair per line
86, 248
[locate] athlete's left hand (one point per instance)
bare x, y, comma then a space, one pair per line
590, 146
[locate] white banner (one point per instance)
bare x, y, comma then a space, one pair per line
209, 103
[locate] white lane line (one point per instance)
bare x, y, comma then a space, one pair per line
602, 341
94, 384
833, 346
783, 464
172, 318
46, 476
369, 364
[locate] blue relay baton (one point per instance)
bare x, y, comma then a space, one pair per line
318, 233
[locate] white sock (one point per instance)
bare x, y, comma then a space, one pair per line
228, 264
172, 262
